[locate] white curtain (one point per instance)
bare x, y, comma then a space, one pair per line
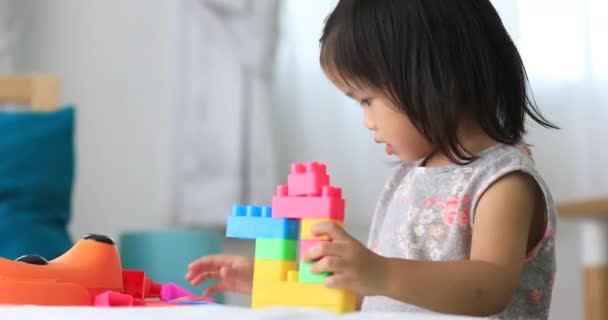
224, 153
8, 33
564, 45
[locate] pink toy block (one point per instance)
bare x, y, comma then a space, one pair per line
172, 291
305, 245
329, 205
113, 299
307, 179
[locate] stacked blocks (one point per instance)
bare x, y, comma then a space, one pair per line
250, 222
279, 280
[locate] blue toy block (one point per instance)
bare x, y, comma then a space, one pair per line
252, 222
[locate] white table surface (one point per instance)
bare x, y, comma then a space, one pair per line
196, 313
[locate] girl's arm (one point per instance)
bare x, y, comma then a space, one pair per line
485, 284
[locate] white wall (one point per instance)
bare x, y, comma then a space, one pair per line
116, 62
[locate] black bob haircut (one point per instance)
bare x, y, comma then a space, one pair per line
439, 61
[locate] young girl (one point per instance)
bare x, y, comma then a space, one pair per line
466, 224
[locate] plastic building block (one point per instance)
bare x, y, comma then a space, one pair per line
193, 300
88, 274
329, 205
172, 291
305, 276
291, 293
272, 270
306, 226
113, 299
174, 303
307, 179
276, 249
251, 222
134, 283
90, 267
152, 289
305, 245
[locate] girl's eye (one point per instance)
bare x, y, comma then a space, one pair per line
366, 102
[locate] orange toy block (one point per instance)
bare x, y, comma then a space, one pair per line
306, 226
272, 270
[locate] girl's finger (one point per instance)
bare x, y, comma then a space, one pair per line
197, 280
331, 229
215, 288
324, 249
209, 263
337, 281
328, 264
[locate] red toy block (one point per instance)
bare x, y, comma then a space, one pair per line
305, 245
309, 179
329, 205
152, 289
113, 299
134, 283
172, 291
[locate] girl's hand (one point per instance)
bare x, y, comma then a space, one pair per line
353, 266
234, 273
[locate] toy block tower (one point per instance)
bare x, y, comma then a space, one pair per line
282, 231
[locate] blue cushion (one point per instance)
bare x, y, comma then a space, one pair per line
36, 176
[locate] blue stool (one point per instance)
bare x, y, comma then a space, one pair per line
165, 254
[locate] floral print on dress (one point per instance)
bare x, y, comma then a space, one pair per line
437, 231
427, 215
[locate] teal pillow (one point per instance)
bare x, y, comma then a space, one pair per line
36, 177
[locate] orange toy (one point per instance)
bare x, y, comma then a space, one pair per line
90, 268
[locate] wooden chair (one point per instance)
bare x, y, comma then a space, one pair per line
39, 92
593, 214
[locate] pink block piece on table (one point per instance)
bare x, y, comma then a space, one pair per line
309, 179
113, 299
329, 205
305, 245
172, 291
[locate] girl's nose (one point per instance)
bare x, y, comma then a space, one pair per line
368, 123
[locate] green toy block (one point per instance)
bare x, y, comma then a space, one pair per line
276, 249
304, 274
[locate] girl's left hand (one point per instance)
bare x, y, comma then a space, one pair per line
354, 266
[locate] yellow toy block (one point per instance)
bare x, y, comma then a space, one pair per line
292, 293
306, 226
272, 270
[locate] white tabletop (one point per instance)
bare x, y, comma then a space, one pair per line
195, 313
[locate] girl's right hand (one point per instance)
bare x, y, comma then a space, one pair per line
234, 273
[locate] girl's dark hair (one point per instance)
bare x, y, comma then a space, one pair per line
438, 61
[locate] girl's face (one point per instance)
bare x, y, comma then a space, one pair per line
389, 125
